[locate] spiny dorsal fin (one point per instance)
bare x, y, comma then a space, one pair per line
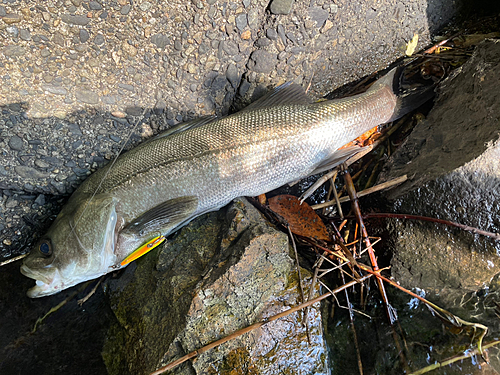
287, 93
183, 126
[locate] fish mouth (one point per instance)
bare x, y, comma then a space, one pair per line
44, 285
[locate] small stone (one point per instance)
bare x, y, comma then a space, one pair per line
241, 21
45, 52
272, 34
7, 242
193, 87
40, 200
16, 143
328, 25
281, 6
125, 9
87, 96
145, 6
11, 51
75, 20
318, 15
178, 45
232, 76
245, 35
56, 90
99, 39
191, 68
11, 202
29, 172
11, 18
13, 31
126, 87
84, 35
94, 5
160, 40
3, 13
262, 61
129, 50
262, 42
25, 34
46, 16
246, 3
41, 164
118, 114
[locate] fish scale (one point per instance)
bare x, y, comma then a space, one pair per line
198, 167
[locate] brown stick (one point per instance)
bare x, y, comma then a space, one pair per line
373, 260
253, 326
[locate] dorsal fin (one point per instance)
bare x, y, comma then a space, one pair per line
183, 126
287, 93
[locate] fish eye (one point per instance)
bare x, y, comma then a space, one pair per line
45, 248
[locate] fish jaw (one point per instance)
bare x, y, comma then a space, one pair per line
47, 283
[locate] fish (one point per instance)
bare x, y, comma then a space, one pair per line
200, 166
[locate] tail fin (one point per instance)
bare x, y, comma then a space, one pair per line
408, 97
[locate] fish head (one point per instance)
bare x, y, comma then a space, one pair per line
79, 246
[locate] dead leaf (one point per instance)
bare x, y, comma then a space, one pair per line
412, 45
365, 139
301, 218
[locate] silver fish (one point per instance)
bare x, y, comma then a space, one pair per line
198, 167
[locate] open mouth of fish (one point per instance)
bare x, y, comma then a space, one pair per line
43, 285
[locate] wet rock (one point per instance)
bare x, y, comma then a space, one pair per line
451, 159
262, 61
233, 76
224, 271
281, 6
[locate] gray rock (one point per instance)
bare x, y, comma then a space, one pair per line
3, 13
40, 200
87, 96
178, 45
25, 34
56, 90
318, 15
11, 202
13, 31
13, 51
262, 61
145, 6
99, 39
160, 40
233, 76
94, 5
41, 164
125, 9
281, 6
222, 272
241, 21
75, 20
84, 35
126, 87
16, 143
29, 172
230, 47
45, 52
272, 34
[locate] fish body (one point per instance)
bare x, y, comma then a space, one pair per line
165, 182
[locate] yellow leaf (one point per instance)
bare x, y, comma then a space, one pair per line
412, 44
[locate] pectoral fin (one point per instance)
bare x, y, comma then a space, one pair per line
164, 217
288, 93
